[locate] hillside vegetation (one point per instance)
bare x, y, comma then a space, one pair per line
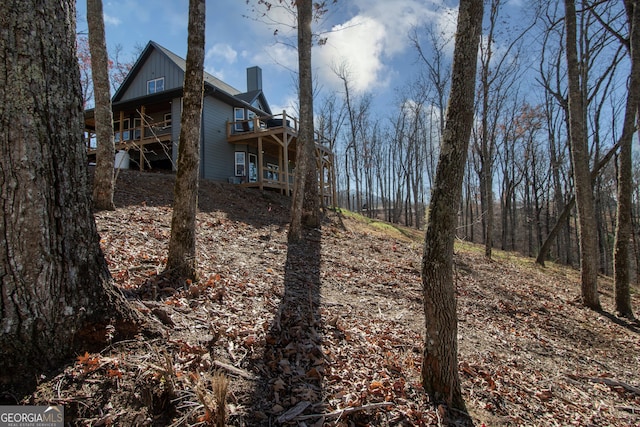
330, 333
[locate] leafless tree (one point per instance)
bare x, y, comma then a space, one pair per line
631, 41
305, 196
497, 74
103, 181
625, 188
181, 260
439, 364
580, 159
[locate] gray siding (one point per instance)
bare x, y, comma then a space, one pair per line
156, 66
218, 155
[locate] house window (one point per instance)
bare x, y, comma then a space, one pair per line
253, 168
250, 116
238, 117
137, 125
167, 120
125, 130
155, 85
240, 163
272, 172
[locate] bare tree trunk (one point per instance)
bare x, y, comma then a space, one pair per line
103, 182
347, 178
306, 135
558, 197
305, 148
486, 160
625, 187
528, 212
468, 229
563, 218
57, 294
605, 251
181, 261
587, 230
634, 238
440, 376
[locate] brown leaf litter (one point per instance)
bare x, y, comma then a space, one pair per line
329, 333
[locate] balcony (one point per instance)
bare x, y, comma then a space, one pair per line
145, 133
273, 140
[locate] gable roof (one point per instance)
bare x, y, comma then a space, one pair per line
213, 85
253, 96
249, 97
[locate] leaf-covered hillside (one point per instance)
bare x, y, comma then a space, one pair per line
330, 333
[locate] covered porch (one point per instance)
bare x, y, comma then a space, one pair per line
143, 135
266, 155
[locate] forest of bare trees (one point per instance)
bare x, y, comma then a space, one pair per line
534, 156
519, 178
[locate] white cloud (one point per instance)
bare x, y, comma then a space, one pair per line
372, 39
398, 18
447, 23
290, 105
222, 51
111, 20
218, 73
359, 44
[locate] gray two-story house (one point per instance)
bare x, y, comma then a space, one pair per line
243, 141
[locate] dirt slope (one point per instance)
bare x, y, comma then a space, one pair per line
330, 333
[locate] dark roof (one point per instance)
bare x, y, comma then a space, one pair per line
254, 95
208, 78
213, 85
249, 97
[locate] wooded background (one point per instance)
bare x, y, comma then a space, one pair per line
520, 147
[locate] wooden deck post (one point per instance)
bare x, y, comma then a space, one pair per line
281, 174
260, 164
141, 136
121, 126
285, 148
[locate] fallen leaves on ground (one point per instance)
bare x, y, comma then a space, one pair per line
331, 333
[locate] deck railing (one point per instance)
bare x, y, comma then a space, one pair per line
145, 130
125, 138
259, 124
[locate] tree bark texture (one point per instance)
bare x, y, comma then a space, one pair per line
103, 181
302, 204
621, 260
440, 376
587, 227
181, 260
306, 135
56, 296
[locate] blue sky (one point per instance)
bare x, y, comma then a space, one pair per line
370, 35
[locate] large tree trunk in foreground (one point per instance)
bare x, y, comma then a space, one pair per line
103, 181
182, 261
305, 203
57, 296
587, 227
440, 376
